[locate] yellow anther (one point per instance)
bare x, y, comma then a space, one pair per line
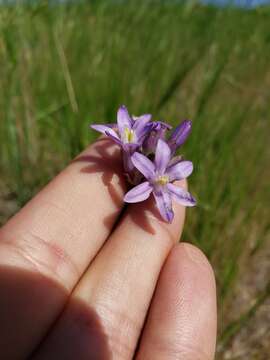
129, 135
162, 180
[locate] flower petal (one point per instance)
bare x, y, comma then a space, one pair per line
175, 160
162, 157
144, 165
105, 127
130, 148
180, 170
114, 137
123, 119
179, 135
164, 204
107, 130
141, 126
145, 117
156, 130
139, 193
127, 163
182, 196
158, 125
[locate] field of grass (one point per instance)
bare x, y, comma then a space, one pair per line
63, 67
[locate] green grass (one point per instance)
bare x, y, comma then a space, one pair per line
63, 67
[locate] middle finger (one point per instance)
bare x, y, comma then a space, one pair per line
116, 289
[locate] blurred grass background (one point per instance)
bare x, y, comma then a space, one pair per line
65, 66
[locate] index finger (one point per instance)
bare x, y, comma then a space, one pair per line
56, 235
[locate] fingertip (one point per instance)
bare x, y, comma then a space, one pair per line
194, 256
182, 319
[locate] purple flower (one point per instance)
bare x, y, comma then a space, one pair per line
158, 131
129, 132
142, 140
179, 135
160, 176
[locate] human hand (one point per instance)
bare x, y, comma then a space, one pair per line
83, 277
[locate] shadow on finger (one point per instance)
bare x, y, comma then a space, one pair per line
25, 302
107, 162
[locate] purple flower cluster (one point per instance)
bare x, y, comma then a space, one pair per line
149, 161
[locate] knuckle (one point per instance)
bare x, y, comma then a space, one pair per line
37, 253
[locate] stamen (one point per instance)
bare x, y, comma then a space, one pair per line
129, 135
162, 180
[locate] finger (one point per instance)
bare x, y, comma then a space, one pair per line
118, 287
182, 317
56, 235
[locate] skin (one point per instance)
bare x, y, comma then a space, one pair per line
82, 275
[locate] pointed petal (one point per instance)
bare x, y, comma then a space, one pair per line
180, 170
113, 126
180, 135
175, 160
123, 119
162, 157
105, 127
141, 121
182, 196
156, 130
144, 165
139, 193
141, 126
164, 204
107, 130
114, 137
144, 117
158, 125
